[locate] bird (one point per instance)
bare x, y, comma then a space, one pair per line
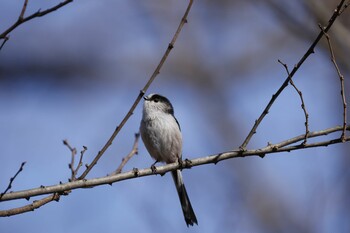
161, 134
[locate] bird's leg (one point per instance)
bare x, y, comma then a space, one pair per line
153, 166
181, 163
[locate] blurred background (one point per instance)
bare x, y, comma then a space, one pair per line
74, 74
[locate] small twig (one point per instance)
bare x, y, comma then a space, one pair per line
142, 92
23, 9
303, 106
5, 39
341, 78
336, 13
82, 152
12, 179
74, 170
133, 152
71, 164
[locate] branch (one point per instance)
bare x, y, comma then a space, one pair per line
12, 179
284, 146
21, 19
142, 92
303, 106
74, 171
133, 152
341, 78
335, 15
30, 207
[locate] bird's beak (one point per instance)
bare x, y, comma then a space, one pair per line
145, 98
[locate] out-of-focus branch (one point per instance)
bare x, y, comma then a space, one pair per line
126, 159
284, 146
335, 15
21, 19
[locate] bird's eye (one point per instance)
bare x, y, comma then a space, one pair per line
156, 100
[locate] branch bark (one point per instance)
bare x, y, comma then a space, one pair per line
284, 146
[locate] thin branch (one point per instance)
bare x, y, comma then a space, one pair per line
295, 69
12, 179
21, 19
303, 106
23, 9
74, 170
71, 164
341, 78
31, 207
133, 152
345, 6
284, 146
5, 39
142, 92
82, 152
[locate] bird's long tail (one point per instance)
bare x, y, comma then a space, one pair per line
187, 210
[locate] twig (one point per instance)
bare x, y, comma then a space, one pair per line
74, 171
303, 106
142, 92
336, 13
284, 146
82, 152
21, 19
341, 78
71, 164
31, 207
5, 39
23, 9
133, 152
12, 179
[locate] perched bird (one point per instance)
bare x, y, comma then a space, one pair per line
161, 134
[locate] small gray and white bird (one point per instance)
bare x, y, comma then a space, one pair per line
161, 134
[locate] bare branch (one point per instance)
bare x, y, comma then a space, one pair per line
22, 19
142, 92
295, 69
133, 152
31, 207
12, 179
284, 146
74, 170
23, 9
341, 78
303, 106
82, 152
71, 165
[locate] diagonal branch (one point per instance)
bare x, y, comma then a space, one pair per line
12, 179
21, 19
142, 92
335, 15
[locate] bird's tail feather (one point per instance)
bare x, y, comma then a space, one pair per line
187, 209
